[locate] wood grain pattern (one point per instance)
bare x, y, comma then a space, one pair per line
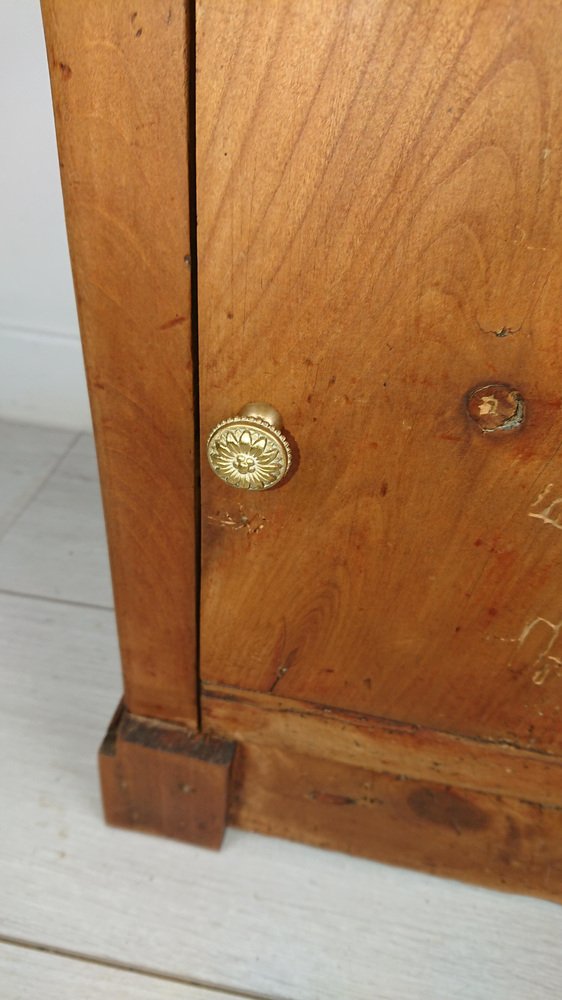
379, 231
123, 152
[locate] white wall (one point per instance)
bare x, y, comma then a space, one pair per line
41, 371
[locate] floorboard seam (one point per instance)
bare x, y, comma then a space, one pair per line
35, 493
56, 600
211, 988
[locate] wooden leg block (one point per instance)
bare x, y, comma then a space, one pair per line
165, 779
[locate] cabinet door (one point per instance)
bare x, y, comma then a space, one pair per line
379, 224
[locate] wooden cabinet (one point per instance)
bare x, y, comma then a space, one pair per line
350, 211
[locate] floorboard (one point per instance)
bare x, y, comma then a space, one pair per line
27, 456
28, 974
57, 546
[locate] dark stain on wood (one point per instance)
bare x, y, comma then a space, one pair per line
447, 808
157, 735
329, 799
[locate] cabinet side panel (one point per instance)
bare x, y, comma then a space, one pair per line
119, 82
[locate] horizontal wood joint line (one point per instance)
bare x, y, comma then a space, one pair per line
170, 738
383, 746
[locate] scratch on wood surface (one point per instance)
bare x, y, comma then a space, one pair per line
283, 669
547, 515
545, 663
542, 495
504, 331
252, 524
521, 241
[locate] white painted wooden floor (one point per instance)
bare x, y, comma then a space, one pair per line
89, 912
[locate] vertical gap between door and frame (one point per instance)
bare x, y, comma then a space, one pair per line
190, 14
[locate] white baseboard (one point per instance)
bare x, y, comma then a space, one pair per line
42, 379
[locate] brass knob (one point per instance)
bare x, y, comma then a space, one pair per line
249, 451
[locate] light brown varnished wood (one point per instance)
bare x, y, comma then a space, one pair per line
379, 231
118, 75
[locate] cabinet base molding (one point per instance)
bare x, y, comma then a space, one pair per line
482, 812
382, 745
502, 843
165, 779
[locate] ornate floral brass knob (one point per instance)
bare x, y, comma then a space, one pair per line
249, 451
